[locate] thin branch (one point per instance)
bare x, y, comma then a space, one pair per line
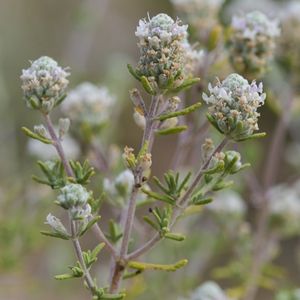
181, 204
119, 267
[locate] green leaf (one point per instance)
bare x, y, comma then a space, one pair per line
56, 235
174, 236
147, 266
151, 223
112, 296
115, 232
202, 201
253, 136
163, 198
172, 130
177, 113
132, 72
213, 123
147, 86
89, 225
185, 85
64, 276
35, 136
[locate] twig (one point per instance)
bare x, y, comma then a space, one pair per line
69, 171
119, 264
181, 204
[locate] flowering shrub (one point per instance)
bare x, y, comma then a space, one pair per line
165, 104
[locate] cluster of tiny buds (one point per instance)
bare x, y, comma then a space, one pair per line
74, 197
161, 43
233, 106
44, 84
252, 43
144, 161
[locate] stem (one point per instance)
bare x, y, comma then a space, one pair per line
181, 204
78, 250
119, 265
58, 146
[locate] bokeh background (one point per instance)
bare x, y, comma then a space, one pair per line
96, 39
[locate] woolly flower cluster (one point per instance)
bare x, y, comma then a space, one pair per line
201, 15
284, 204
74, 197
252, 43
89, 105
44, 84
233, 106
161, 43
289, 43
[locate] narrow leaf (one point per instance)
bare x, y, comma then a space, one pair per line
147, 266
173, 130
181, 112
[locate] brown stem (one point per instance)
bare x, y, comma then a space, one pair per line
119, 265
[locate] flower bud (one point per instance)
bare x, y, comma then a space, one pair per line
56, 225
40, 130
73, 195
146, 161
63, 125
139, 119
129, 157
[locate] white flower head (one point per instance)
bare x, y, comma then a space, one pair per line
255, 23
89, 104
44, 84
252, 43
162, 51
233, 106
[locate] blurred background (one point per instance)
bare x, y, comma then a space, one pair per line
95, 38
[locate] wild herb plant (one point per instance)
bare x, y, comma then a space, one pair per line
166, 73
